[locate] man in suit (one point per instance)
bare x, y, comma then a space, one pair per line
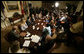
13, 34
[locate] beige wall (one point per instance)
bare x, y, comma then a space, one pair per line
62, 4
79, 6
82, 13
5, 22
10, 13
36, 3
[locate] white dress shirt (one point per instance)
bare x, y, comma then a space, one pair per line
49, 30
23, 27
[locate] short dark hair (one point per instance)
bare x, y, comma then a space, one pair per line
13, 28
45, 32
28, 17
47, 25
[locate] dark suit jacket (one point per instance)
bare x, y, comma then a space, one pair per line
12, 36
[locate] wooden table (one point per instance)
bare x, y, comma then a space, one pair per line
33, 32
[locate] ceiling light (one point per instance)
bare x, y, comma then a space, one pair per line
56, 4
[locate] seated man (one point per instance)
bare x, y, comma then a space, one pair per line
37, 16
53, 36
33, 18
15, 48
13, 34
52, 23
40, 14
51, 33
24, 26
47, 42
47, 21
48, 28
29, 22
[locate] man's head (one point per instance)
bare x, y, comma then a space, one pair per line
15, 28
32, 15
53, 29
47, 25
53, 17
45, 32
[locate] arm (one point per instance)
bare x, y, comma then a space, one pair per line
22, 28
26, 25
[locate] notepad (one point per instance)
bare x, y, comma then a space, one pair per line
26, 43
35, 38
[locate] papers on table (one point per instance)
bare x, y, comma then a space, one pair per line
26, 37
33, 27
28, 34
38, 23
41, 23
37, 28
26, 43
35, 38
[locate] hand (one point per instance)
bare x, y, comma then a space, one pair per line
48, 37
39, 44
53, 30
23, 34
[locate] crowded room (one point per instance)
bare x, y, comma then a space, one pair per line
42, 27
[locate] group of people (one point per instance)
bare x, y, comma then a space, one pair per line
54, 22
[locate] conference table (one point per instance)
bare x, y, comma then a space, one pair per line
37, 30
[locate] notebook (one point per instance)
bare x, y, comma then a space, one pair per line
26, 43
35, 38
